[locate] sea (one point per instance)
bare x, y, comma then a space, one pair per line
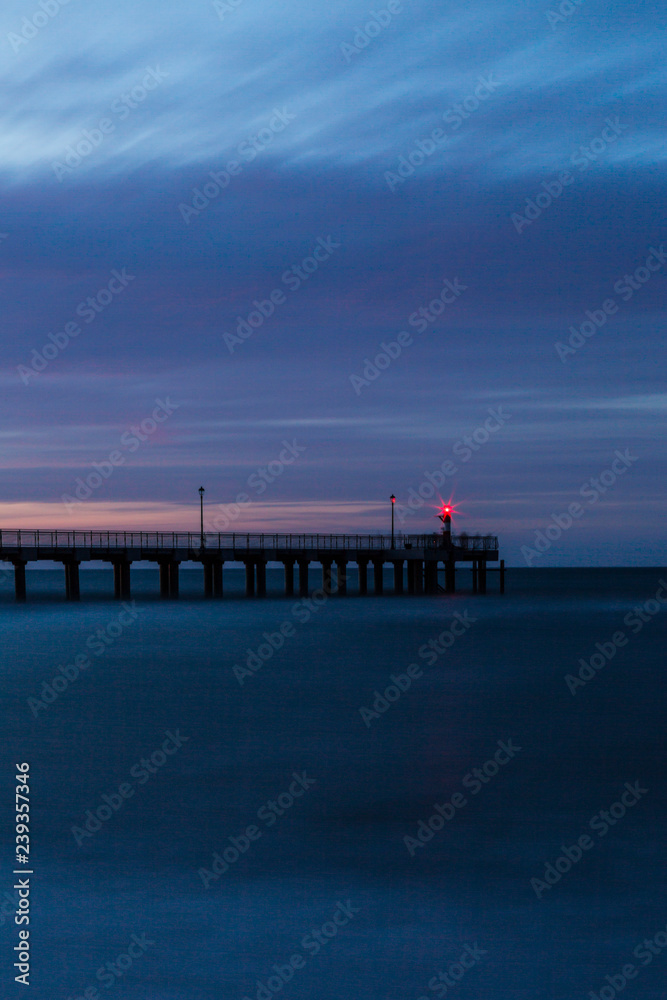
335, 797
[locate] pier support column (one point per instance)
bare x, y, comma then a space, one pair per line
249, 578
303, 577
378, 581
341, 577
482, 576
363, 575
173, 578
19, 581
289, 577
121, 580
75, 585
327, 583
411, 576
261, 577
431, 576
398, 576
502, 576
164, 579
450, 576
419, 576
72, 581
217, 578
474, 576
208, 579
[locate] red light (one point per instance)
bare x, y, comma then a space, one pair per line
446, 511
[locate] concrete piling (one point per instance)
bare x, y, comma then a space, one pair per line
19, 581
363, 576
303, 577
341, 577
208, 579
249, 578
289, 577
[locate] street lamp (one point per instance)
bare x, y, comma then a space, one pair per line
393, 501
201, 505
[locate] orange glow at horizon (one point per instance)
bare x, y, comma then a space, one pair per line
296, 517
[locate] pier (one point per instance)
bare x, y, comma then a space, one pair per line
419, 562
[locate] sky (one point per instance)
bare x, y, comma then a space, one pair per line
217, 217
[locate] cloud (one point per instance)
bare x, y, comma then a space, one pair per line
324, 176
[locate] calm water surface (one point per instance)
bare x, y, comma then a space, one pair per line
336, 844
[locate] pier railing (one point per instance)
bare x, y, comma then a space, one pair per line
150, 541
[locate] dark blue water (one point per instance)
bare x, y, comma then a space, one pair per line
405, 911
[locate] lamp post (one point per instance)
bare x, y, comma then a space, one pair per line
201, 507
393, 501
